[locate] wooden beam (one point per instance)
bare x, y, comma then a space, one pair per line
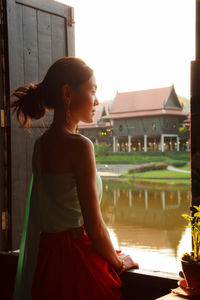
197, 29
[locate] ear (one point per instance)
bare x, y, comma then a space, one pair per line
66, 92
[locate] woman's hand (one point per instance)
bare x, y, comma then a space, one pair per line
129, 262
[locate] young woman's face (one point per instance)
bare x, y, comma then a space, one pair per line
84, 101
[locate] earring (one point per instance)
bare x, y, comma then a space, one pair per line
67, 112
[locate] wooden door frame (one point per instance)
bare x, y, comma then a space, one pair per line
5, 149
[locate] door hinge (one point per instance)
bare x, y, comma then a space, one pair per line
70, 16
4, 220
2, 118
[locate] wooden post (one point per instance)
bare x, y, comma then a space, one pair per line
177, 143
145, 143
162, 143
114, 144
129, 143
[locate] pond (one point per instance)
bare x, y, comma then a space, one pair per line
144, 220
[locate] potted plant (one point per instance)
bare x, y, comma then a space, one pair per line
191, 262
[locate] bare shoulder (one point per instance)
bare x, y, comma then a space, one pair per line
80, 141
82, 152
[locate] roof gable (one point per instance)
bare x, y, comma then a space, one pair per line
102, 109
172, 100
103, 112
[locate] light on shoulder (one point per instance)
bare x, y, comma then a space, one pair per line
83, 153
84, 141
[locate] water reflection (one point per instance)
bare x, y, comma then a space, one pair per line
145, 221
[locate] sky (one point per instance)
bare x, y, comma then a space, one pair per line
136, 44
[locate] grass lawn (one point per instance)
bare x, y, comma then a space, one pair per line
142, 157
159, 176
123, 159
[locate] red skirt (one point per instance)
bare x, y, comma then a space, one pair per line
71, 269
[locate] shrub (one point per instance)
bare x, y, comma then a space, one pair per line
177, 163
148, 167
102, 149
181, 155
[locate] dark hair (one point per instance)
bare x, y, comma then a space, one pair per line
35, 99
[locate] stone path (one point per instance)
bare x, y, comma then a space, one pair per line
112, 169
177, 170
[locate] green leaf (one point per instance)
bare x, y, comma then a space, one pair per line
197, 207
197, 214
187, 217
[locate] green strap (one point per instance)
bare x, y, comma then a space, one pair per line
16, 294
29, 244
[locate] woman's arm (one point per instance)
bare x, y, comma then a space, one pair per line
84, 164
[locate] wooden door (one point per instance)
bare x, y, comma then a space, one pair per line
39, 32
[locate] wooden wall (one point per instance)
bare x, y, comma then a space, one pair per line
143, 125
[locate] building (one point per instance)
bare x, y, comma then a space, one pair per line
146, 120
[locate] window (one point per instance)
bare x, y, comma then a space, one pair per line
148, 214
103, 132
120, 127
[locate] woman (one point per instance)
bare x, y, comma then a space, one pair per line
65, 251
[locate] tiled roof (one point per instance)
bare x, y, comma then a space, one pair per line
143, 103
140, 100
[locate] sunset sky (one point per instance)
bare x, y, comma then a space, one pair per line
136, 44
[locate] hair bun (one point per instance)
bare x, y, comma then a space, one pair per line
30, 103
